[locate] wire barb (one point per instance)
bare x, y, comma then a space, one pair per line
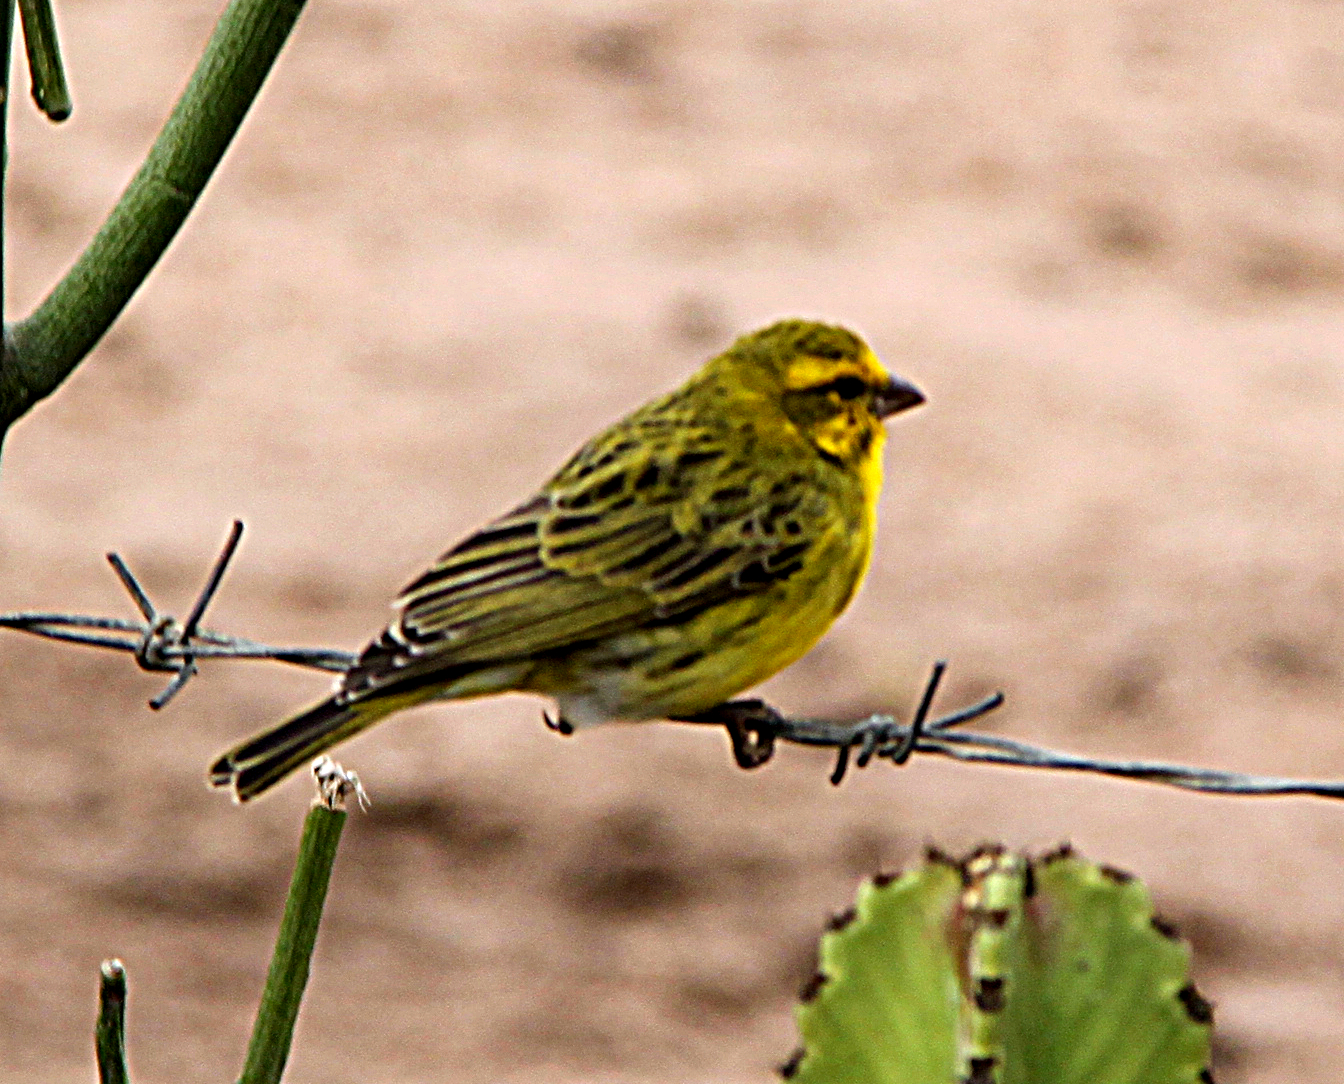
212, 582
880, 735
907, 744
163, 632
132, 585
159, 643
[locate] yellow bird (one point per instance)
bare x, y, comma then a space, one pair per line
687, 553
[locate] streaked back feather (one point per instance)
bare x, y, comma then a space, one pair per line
676, 509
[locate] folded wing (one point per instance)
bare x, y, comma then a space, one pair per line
649, 523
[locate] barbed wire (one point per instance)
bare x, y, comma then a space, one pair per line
159, 643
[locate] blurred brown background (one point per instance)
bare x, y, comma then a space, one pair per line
453, 240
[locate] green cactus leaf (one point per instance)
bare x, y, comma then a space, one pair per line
886, 1010
1002, 969
1103, 994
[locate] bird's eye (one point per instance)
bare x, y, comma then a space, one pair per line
847, 387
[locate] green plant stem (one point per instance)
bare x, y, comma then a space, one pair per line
6, 43
110, 1037
279, 1009
44, 59
43, 349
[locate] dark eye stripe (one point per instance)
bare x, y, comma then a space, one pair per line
846, 387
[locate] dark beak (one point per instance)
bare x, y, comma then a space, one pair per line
896, 396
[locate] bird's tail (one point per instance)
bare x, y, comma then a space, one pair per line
263, 760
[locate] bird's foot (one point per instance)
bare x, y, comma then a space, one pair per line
559, 723
752, 727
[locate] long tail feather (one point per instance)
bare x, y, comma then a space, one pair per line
263, 760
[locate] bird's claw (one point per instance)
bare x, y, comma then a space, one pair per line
752, 727
753, 742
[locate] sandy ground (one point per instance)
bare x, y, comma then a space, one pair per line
455, 238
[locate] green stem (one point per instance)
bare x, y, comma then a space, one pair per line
44, 59
43, 349
6, 43
110, 1037
279, 1009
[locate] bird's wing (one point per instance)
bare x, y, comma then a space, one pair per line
649, 523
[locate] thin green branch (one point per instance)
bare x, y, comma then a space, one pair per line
44, 59
43, 349
279, 1009
6, 48
110, 1037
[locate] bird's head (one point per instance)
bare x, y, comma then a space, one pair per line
828, 382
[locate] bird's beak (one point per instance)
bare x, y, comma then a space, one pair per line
896, 395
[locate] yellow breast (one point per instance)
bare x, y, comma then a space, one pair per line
679, 670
